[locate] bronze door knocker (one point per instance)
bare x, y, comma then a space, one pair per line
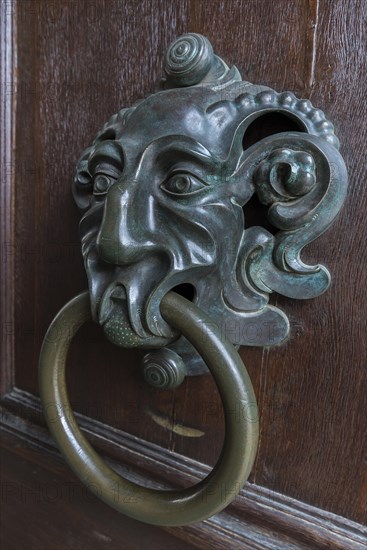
162, 190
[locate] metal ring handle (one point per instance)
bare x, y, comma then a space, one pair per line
178, 507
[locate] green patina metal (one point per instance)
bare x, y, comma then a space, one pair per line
162, 190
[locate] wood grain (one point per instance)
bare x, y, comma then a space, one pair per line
259, 518
80, 62
314, 388
47, 508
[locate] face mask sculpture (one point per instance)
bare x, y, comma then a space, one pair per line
162, 190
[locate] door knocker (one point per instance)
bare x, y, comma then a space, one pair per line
162, 190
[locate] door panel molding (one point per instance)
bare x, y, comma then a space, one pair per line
259, 518
8, 81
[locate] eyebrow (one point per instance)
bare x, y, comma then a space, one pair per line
187, 147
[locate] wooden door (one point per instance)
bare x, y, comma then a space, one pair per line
66, 68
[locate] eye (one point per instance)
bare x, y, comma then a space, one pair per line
182, 184
102, 183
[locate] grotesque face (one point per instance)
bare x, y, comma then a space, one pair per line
162, 199
162, 190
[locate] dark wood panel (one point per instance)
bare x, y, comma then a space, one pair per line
45, 507
270, 42
81, 62
258, 519
314, 388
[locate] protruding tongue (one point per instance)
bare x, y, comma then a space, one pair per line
118, 325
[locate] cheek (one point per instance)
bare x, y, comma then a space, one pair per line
225, 223
224, 218
237, 189
241, 190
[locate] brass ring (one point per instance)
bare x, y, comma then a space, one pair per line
171, 507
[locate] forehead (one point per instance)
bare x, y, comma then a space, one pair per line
181, 112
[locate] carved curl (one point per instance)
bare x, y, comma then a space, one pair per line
303, 181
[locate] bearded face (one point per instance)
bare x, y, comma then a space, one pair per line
162, 189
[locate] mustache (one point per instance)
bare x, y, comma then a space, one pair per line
131, 293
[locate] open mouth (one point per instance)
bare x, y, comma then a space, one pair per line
114, 294
121, 315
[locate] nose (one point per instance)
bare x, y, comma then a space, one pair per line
123, 238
